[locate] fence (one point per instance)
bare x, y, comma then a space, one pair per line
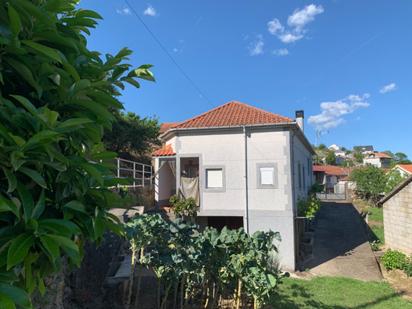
140, 174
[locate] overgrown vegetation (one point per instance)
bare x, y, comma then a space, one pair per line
202, 268
393, 259
370, 182
308, 207
56, 99
182, 207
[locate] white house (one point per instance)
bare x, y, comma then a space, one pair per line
404, 169
243, 165
378, 159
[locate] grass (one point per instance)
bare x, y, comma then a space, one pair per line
376, 214
338, 293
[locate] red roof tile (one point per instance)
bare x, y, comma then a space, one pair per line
233, 114
165, 151
331, 170
382, 155
406, 167
167, 125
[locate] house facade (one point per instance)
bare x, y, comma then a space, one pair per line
404, 170
397, 219
333, 178
378, 159
244, 166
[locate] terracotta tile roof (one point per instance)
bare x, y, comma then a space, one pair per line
382, 155
167, 125
165, 151
406, 167
331, 170
233, 114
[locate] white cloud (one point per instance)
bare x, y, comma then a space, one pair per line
388, 88
123, 11
175, 50
290, 38
332, 113
150, 11
275, 27
256, 47
300, 18
296, 24
281, 52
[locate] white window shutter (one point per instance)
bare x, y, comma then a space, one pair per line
266, 176
214, 178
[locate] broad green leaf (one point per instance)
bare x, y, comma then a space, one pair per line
17, 139
24, 72
15, 22
8, 205
18, 250
26, 103
34, 175
59, 226
26, 201
6, 302
45, 50
18, 295
88, 13
79, 85
51, 247
40, 206
41, 137
76, 205
94, 172
11, 179
72, 124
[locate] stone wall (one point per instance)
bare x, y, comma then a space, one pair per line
397, 218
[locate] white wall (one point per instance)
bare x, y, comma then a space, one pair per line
227, 150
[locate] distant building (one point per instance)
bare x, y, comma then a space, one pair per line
364, 149
404, 169
334, 147
332, 177
378, 159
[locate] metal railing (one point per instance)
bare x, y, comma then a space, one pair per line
139, 173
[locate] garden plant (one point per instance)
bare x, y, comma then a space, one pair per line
57, 98
204, 268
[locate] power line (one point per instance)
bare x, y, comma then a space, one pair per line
164, 49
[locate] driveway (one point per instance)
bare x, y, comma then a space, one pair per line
341, 247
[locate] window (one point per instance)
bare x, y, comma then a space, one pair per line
266, 175
304, 177
214, 178
300, 175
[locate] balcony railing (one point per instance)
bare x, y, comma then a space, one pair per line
139, 173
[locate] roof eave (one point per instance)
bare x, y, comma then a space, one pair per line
292, 125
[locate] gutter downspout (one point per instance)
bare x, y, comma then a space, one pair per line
246, 184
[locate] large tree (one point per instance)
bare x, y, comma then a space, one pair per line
370, 182
132, 135
56, 99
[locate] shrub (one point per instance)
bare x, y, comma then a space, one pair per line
393, 259
316, 188
370, 182
183, 207
308, 207
407, 268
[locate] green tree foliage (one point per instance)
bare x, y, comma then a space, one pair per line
393, 178
358, 156
401, 158
203, 266
132, 135
330, 158
370, 182
56, 99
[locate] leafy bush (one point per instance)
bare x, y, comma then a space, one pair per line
393, 259
316, 188
184, 207
370, 182
309, 207
407, 268
56, 99
203, 266
394, 178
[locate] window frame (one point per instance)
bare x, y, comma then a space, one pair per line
214, 167
259, 184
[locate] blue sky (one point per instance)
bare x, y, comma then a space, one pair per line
346, 63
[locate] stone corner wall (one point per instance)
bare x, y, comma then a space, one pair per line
397, 218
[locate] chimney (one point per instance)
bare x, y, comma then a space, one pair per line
300, 115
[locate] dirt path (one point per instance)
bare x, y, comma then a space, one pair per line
341, 247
